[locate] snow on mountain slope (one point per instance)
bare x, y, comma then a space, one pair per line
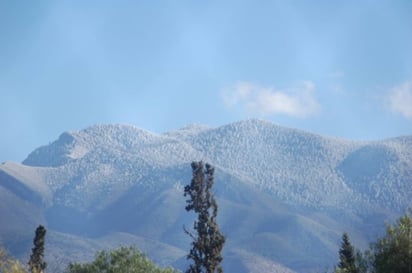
296, 166
290, 163
381, 172
95, 166
280, 190
306, 169
98, 164
74, 145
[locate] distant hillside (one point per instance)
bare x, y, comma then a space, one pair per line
285, 196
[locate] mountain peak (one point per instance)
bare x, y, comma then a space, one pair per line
74, 145
54, 154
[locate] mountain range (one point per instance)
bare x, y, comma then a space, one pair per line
285, 196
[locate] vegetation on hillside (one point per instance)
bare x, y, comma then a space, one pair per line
123, 259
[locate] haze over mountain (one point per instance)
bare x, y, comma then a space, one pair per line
285, 196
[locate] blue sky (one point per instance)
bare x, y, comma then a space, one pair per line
337, 68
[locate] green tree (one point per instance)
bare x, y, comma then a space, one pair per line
361, 262
347, 257
393, 252
36, 262
8, 264
121, 260
208, 241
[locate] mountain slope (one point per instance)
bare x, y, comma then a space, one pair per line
285, 196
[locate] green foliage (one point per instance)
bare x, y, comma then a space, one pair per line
347, 258
122, 260
208, 242
361, 262
393, 252
36, 262
8, 264
390, 254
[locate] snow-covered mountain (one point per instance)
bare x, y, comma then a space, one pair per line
285, 196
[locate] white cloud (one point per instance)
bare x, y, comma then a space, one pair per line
238, 93
297, 102
400, 99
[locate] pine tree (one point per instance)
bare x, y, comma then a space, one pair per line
36, 262
347, 258
208, 241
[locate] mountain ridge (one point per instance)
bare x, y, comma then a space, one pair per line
275, 185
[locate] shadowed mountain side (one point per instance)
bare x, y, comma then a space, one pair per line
27, 182
248, 218
21, 208
18, 217
242, 261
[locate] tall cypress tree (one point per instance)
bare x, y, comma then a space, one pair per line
347, 258
36, 262
208, 241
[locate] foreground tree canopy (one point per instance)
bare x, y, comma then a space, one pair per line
124, 260
393, 252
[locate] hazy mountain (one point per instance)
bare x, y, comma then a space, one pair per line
285, 196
